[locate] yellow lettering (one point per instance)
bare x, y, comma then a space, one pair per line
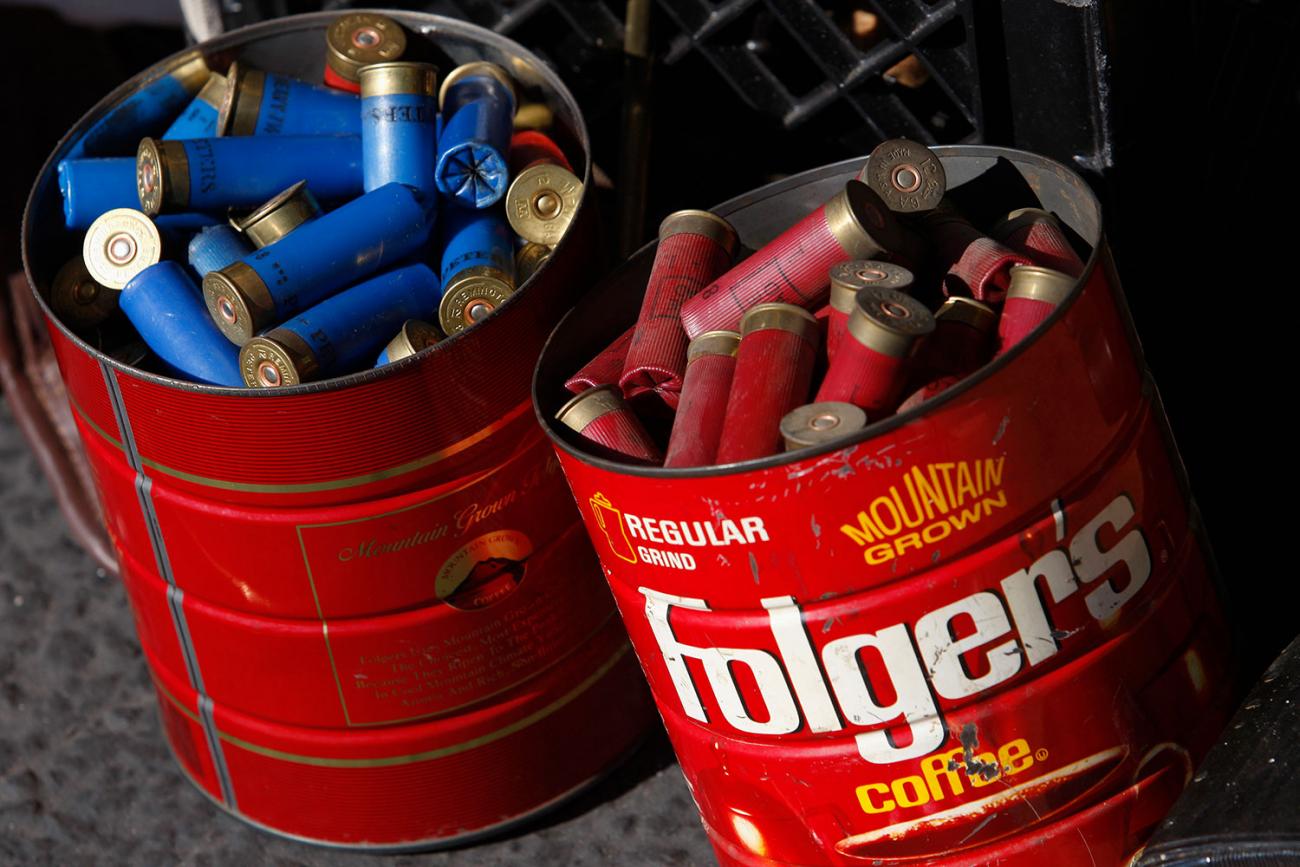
876, 504
946, 775
978, 780
916, 519
869, 805
918, 795
911, 540
929, 492
989, 503
965, 484
993, 473
936, 532
877, 554
967, 516
1015, 756
935, 770
865, 531
946, 469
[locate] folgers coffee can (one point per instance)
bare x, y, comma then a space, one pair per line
980, 631
367, 603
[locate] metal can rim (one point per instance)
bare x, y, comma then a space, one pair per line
982, 155
424, 24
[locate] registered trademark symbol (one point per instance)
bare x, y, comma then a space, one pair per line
1041, 755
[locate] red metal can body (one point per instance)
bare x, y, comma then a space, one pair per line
982, 631
367, 604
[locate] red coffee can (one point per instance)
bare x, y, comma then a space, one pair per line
1038, 234
339, 587
605, 368
1035, 292
982, 632
871, 367
794, 268
601, 415
774, 363
978, 266
694, 248
846, 279
710, 365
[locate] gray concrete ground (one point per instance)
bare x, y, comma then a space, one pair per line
86, 779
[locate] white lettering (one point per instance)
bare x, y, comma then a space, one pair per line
801, 661
1091, 563
754, 530
912, 701
1027, 608
783, 716
942, 650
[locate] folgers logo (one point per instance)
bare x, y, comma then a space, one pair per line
929, 504
892, 678
624, 531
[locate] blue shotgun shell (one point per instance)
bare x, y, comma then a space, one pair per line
316, 260
478, 108
208, 174
416, 334
215, 247
262, 103
478, 266
164, 304
280, 216
342, 333
92, 187
148, 111
199, 120
398, 134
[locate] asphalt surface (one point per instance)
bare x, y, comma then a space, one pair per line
85, 777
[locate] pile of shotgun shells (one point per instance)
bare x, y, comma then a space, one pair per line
278, 231
880, 299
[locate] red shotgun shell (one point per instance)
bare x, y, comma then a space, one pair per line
977, 265
774, 363
871, 366
601, 416
814, 424
794, 268
907, 175
1035, 292
359, 39
927, 391
846, 279
961, 343
338, 82
710, 365
604, 369
694, 248
1038, 234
